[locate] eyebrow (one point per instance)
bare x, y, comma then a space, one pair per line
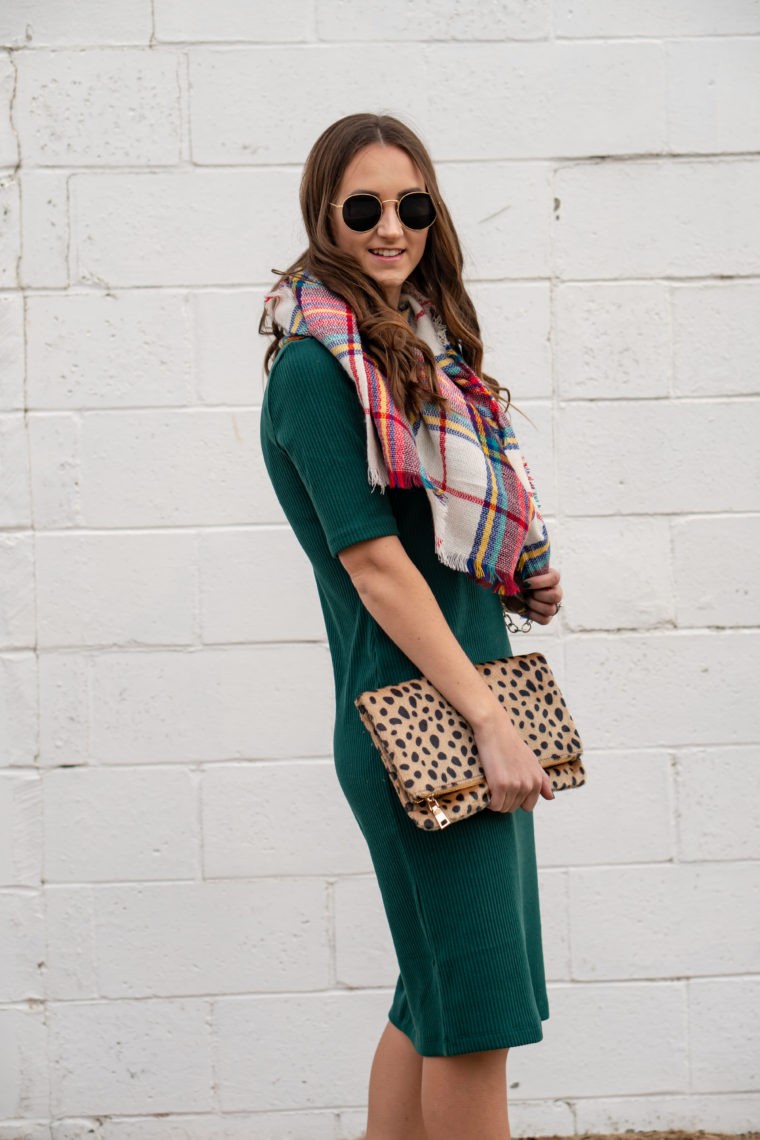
410, 190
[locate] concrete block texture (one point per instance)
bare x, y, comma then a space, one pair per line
364, 954
683, 218
117, 588
229, 87
19, 722
27, 23
123, 1056
169, 939
433, 20
120, 349
22, 951
98, 107
737, 1112
281, 1052
729, 1009
152, 468
106, 825
534, 427
71, 960
613, 340
664, 466
708, 79
715, 820
716, 337
664, 921
11, 352
550, 99
175, 706
64, 687
290, 21
666, 689
710, 591
617, 1052
20, 829
15, 499
45, 229
54, 444
10, 232
8, 138
580, 829
33, 1130
595, 18
618, 573
25, 1087
17, 590
247, 813
555, 925
515, 325
502, 215
209, 227
195, 944
212, 1125
228, 356
242, 567
545, 99
540, 1117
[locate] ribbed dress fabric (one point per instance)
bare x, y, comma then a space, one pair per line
463, 903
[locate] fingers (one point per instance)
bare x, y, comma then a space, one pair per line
541, 610
529, 803
524, 795
544, 598
546, 786
548, 578
515, 776
543, 595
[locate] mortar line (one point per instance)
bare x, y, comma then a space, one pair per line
35, 592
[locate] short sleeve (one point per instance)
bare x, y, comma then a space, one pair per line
316, 419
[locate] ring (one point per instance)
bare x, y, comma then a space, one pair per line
559, 606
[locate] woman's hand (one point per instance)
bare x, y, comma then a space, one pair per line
514, 775
542, 594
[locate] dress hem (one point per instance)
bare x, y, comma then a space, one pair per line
479, 1044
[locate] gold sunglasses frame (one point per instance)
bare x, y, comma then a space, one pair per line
383, 201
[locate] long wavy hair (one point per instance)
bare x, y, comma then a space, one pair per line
406, 361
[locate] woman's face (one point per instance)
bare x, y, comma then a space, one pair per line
389, 252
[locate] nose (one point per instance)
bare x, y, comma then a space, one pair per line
389, 224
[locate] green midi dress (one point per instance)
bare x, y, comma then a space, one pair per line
462, 903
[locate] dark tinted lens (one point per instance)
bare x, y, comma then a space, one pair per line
416, 211
361, 212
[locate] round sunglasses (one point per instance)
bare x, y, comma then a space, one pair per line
362, 212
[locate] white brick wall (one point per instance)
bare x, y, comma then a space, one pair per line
176, 954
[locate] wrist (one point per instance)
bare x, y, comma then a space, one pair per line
488, 714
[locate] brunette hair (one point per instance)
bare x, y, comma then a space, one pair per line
407, 362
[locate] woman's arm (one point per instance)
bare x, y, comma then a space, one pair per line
399, 599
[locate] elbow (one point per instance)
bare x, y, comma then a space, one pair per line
369, 561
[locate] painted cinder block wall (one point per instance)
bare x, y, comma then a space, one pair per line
192, 939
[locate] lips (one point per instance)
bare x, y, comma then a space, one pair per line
387, 254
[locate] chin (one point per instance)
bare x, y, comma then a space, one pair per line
392, 280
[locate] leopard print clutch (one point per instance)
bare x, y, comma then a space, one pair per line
430, 751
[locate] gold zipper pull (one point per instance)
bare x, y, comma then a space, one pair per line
440, 816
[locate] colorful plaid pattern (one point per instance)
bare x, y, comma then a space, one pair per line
484, 505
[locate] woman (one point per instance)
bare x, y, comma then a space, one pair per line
399, 602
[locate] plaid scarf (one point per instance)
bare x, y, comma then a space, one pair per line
484, 506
